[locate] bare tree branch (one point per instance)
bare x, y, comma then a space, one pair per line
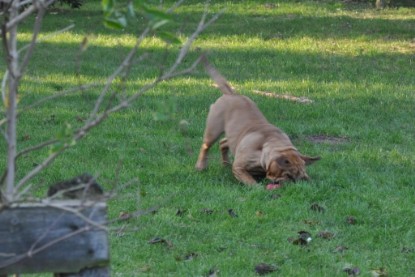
39, 167
36, 147
98, 115
63, 30
80, 215
11, 104
16, 189
55, 95
110, 80
172, 70
59, 94
4, 87
25, 2
13, 22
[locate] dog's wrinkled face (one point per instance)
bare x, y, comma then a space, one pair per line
289, 166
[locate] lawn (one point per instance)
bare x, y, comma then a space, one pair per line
357, 66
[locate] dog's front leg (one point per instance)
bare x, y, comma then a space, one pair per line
224, 150
243, 175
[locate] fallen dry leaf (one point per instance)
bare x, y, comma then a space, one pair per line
304, 234
232, 213
303, 238
302, 100
158, 240
259, 213
190, 256
121, 231
221, 248
145, 269
213, 272
407, 250
26, 137
124, 216
311, 222
317, 208
352, 271
80, 118
263, 268
326, 235
340, 249
275, 196
181, 212
351, 220
207, 211
380, 272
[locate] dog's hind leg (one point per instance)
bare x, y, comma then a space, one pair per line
214, 128
202, 159
224, 149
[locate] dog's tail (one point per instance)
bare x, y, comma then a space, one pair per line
220, 81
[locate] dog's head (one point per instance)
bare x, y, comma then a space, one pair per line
289, 165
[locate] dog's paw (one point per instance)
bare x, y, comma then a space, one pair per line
200, 166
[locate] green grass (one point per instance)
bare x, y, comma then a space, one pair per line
357, 65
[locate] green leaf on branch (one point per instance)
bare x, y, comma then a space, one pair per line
64, 139
158, 24
155, 14
115, 22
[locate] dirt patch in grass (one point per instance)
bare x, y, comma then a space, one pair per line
327, 139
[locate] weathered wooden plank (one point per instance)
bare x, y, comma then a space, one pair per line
44, 238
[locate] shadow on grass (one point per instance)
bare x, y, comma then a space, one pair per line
265, 23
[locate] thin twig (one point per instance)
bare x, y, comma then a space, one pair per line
23, 191
60, 94
111, 78
36, 147
78, 214
29, 254
36, 30
185, 49
63, 30
4, 87
171, 72
57, 240
55, 95
45, 233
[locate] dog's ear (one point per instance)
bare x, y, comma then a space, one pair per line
283, 162
309, 160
